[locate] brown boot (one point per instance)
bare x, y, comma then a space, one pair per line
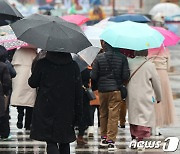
80, 140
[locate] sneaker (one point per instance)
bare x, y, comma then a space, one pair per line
123, 126
141, 149
6, 138
104, 142
133, 144
112, 147
91, 131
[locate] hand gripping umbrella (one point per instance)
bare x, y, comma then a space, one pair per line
8, 13
51, 34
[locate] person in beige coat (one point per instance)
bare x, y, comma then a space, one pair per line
165, 111
144, 90
23, 96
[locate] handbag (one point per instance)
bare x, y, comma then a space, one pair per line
89, 93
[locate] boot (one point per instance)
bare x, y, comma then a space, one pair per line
80, 140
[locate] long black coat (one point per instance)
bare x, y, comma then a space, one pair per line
59, 100
5, 85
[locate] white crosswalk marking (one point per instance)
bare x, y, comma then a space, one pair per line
21, 143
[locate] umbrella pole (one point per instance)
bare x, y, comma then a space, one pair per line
113, 7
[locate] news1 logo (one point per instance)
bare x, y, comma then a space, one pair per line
170, 144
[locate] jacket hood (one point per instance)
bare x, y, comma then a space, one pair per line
59, 58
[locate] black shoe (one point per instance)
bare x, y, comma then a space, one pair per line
123, 126
28, 128
103, 142
19, 125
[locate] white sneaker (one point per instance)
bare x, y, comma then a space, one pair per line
91, 131
133, 144
112, 147
141, 149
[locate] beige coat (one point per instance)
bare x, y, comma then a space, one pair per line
144, 90
23, 94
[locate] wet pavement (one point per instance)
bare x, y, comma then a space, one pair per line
21, 144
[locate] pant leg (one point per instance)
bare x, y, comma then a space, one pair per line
92, 110
28, 117
20, 110
98, 115
103, 108
64, 148
4, 125
122, 116
113, 108
52, 148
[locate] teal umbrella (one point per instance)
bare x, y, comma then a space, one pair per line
132, 35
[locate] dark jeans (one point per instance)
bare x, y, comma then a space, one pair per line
28, 115
92, 110
58, 148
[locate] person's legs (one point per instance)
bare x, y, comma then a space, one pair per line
113, 117
91, 126
80, 140
20, 110
114, 105
103, 108
92, 110
64, 148
28, 117
52, 148
122, 116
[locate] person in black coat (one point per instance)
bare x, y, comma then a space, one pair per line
58, 104
5, 86
85, 120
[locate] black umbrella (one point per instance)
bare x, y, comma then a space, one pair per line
9, 12
51, 33
4, 22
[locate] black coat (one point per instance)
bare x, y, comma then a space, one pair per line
5, 85
59, 99
102, 73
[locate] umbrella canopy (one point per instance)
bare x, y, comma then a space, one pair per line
166, 9
11, 42
86, 57
4, 22
51, 33
103, 23
132, 35
93, 34
131, 17
170, 38
76, 19
47, 7
173, 18
9, 12
81, 63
